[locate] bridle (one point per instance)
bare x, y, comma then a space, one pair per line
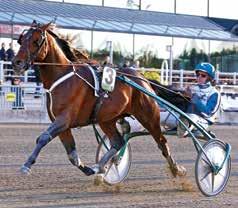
39, 43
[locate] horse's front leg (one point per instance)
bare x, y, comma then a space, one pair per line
67, 139
58, 126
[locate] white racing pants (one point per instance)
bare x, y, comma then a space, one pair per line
167, 120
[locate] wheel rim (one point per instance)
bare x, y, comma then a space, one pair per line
208, 182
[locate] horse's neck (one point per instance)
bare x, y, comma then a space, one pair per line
58, 64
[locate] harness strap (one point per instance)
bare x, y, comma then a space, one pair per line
96, 81
51, 104
96, 90
65, 77
98, 105
54, 85
60, 80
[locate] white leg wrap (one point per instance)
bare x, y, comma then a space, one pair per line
96, 168
74, 158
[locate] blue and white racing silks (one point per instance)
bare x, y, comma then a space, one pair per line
205, 101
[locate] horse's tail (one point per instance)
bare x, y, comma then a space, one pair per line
174, 96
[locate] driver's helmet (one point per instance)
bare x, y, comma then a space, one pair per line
206, 67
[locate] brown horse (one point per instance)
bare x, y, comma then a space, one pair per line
71, 101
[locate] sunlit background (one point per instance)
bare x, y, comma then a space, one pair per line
222, 9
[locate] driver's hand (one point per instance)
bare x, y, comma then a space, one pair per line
188, 92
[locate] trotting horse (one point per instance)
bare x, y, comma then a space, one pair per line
71, 101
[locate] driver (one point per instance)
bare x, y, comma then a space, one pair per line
205, 99
205, 102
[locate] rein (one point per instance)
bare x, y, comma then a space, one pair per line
152, 83
56, 64
121, 73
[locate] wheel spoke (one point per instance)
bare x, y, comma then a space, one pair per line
108, 168
208, 163
205, 175
213, 181
118, 175
221, 174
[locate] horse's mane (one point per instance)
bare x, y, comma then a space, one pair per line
71, 53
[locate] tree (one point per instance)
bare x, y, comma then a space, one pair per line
193, 58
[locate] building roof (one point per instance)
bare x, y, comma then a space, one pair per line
98, 18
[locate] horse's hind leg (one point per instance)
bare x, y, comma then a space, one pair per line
176, 169
154, 128
116, 141
67, 139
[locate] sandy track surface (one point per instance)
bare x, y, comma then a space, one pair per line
55, 183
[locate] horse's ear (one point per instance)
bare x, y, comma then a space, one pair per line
46, 27
19, 41
34, 23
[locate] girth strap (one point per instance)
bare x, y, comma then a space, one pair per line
98, 105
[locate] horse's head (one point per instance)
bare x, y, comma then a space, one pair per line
33, 47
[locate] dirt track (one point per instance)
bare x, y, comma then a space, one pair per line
55, 183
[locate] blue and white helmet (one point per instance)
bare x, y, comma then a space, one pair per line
206, 67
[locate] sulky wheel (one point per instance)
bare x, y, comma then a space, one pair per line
211, 182
118, 168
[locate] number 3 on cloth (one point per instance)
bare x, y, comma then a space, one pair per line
108, 79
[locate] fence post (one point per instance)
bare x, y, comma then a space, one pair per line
234, 78
26, 76
181, 78
217, 76
1, 71
164, 66
162, 75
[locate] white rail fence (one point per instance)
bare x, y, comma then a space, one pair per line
27, 102
6, 72
179, 77
22, 103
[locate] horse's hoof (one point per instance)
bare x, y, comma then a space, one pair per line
97, 169
181, 171
87, 170
178, 170
25, 170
